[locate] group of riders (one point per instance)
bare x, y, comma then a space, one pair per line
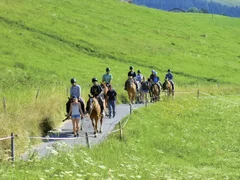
76, 108
96, 89
147, 85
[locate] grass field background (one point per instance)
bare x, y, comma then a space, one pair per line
46, 43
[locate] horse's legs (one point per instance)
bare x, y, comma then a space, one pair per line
101, 119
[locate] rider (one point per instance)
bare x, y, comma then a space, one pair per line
169, 77
95, 91
133, 75
75, 91
155, 80
107, 78
139, 76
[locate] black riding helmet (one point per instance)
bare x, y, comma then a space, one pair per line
131, 68
169, 70
73, 80
94, 80
108, 69
138, 71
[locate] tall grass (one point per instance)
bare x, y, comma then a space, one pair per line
187, 138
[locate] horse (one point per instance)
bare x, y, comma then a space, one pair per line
94, 111
155, 93
105, 90
168, 86
131, 89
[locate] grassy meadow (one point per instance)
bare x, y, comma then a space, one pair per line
46, 43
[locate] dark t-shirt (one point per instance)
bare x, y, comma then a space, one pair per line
96, 90
112, 94
132, 73
144, 85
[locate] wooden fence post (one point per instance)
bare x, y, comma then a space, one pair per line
12, 147
121, 131
87, 140
4, 104
130, 108
198, 94
37, 94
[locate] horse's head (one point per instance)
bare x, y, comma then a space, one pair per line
89, 107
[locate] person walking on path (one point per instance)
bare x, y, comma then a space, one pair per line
76, 113
75, 90
144, 90
112, 98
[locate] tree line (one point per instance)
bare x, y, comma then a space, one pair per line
202, 6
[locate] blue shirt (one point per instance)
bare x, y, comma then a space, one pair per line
169, 76
139, 77
75, 91
155, 79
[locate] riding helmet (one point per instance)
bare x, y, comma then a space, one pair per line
94, 79
108, 69
73, 80
138, 71
130, 67
169, 70
153, 70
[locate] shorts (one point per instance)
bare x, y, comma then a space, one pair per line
75, 116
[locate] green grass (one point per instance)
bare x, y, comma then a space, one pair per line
46, 43
181, 139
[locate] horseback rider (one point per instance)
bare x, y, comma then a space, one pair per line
107, 78
139, 76
132, 74
169, 77
75, 91
96, 91
155, 80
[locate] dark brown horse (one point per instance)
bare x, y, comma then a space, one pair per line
94, 111
168, 86
155, 93
131, 89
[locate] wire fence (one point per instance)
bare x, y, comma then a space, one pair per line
86, 135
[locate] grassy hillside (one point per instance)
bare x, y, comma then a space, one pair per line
45, 43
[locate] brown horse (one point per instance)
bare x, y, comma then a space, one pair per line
168, 86
131, 89
155, 93
94, 111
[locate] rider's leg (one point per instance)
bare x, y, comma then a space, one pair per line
101, 104
82, 105
125, 87
68, 106
172, 83
136, 84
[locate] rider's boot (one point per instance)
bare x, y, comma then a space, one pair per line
125, 87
